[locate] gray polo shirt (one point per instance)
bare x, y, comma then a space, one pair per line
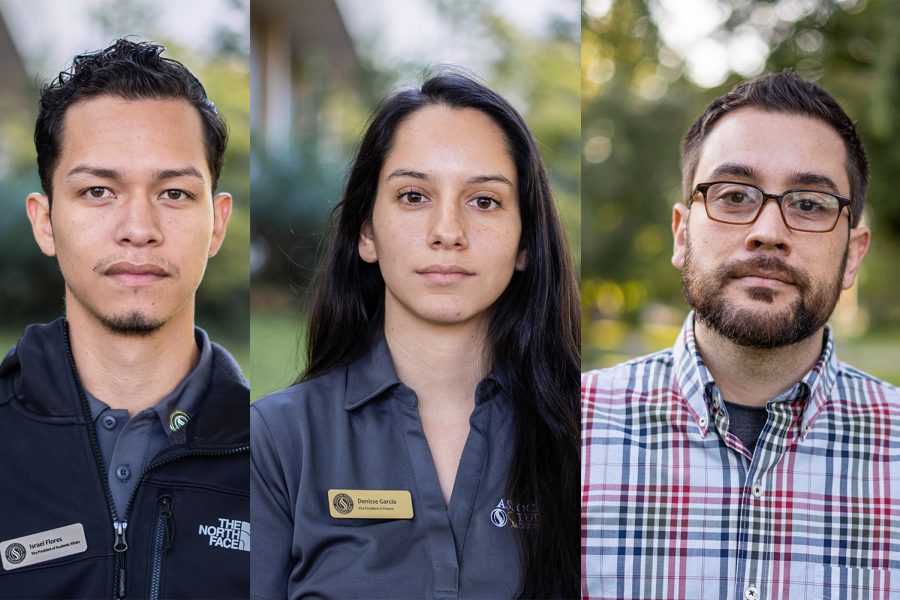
128, 445
358, 428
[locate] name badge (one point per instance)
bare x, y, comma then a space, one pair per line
370, 504
43, 546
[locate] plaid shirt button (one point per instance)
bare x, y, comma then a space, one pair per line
756, 490
751, 593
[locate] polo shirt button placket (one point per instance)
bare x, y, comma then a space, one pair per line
123, 472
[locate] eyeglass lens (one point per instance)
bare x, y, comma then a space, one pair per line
739, 204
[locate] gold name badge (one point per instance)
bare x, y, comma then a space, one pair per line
370, 504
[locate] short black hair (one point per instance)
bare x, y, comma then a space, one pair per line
784, 92
129, 70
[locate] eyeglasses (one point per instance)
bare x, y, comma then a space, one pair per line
741, 204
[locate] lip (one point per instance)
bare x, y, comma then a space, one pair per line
135, 274
766, 279
445, 274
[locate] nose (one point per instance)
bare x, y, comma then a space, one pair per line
769, 231
138, 223
447, 227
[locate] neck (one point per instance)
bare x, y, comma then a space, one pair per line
131, 371
441, 363
753, 376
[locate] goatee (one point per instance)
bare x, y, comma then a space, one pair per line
759, 327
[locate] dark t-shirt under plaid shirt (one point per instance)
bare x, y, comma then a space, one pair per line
675, 506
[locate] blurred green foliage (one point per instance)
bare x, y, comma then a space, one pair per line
637, 104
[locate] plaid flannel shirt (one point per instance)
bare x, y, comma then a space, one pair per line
675, 506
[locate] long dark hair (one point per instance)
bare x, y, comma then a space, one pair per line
532, 338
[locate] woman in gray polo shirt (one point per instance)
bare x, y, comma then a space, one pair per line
430, 450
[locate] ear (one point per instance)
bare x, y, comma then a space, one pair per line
521, 260
857, 246
222, 205
367, 250
680, 215
38, 208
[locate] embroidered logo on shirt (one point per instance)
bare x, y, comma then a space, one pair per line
517, 516
43, 546
229, 533
178, 419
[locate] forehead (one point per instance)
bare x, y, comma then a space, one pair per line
438, 139
132, 135
777, 146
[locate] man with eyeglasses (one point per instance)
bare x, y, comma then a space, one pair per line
747, 461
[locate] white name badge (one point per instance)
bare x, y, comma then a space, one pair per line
43, 546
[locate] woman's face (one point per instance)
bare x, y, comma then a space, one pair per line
445, 227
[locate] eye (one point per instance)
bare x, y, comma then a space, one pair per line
175, 195
412, 197
97, 193
734, 197
809, 204
484, 203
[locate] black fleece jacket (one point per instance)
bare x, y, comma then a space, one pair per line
186, 531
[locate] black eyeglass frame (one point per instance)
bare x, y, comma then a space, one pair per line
702, 188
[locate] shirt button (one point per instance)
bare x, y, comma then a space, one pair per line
702, 421
756, 490
751, 593
110, 422
123, 472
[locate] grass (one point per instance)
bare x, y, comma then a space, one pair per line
275, 360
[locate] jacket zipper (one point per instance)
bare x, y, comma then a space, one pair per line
165, 536
120, 544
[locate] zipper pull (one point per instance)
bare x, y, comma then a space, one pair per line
121, 545
170, 522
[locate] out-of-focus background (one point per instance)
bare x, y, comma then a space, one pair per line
649, 68
38, 39
318, 72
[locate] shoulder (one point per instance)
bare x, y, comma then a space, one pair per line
855, 385
636, 375
315, 400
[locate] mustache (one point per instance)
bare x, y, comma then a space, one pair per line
766, 265
161, 263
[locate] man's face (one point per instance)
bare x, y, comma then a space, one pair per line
763, 284
132, 221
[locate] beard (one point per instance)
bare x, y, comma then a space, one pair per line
133, 324
759, 327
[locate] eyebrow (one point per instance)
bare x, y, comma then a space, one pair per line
734, 170
492, 178
816, 179
114, 174
798, 178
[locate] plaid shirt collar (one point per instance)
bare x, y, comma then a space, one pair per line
697, 385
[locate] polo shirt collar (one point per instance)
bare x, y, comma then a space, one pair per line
694, 379
371, 374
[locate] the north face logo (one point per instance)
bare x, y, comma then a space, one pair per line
229, 533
